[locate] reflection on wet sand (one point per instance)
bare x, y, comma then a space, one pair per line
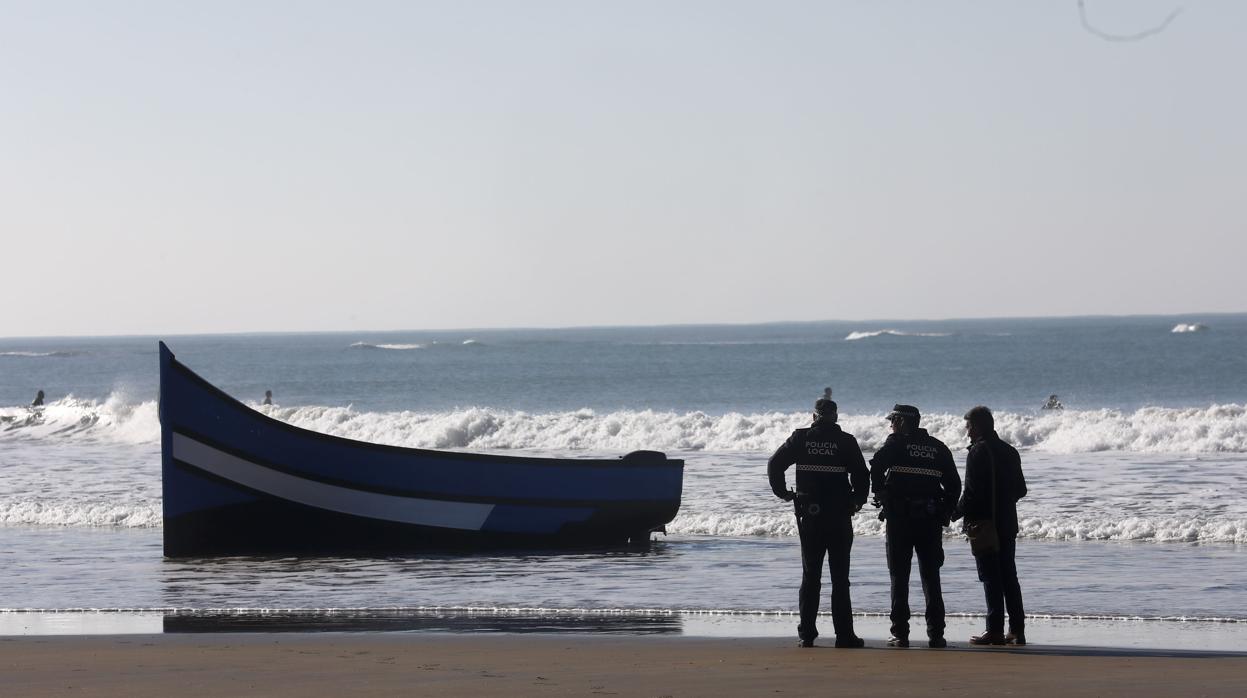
463, 621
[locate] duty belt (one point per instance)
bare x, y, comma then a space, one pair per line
932, 472
823, 468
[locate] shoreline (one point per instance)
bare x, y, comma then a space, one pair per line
559, 664
1116, 634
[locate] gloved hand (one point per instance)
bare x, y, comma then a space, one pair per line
786, 495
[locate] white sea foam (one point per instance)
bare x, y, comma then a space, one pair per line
117, 418
1186, 328
392, 347
70, 512
1212, 429
1158, 529
853, 336
38, 354
554, 612
413, 345
1218, 428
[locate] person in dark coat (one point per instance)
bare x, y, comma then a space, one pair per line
38, 401
832, 485
915, 481
994, 464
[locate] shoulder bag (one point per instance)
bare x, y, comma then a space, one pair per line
984, 539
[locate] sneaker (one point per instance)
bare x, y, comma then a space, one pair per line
938, 643
850, 642
1016, 638
988, 638
898, 642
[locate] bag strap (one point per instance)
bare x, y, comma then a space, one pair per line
991, 463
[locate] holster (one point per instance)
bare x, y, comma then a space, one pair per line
806, 506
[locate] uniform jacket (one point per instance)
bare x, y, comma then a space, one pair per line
976, 502
830, 467
912, 470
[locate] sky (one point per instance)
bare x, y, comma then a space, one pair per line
219, 166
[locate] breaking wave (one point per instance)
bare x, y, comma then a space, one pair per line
1212, 429
853, 336
392, 347
1218, 428
1054, 527
116, 418
39, 354
1186, 328
69, 512
411, 346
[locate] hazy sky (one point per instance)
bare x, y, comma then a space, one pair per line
249, 166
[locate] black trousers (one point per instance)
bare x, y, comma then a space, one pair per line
831, 535
905, 536
999, 574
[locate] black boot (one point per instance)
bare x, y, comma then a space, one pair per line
988, 638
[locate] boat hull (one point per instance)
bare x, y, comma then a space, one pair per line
236, 481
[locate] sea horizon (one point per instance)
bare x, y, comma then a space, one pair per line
1194, 315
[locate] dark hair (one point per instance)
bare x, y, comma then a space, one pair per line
981, 417
825, 408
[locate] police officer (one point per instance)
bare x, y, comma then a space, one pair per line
832, 485
915, 480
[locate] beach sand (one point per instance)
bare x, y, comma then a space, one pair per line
518, 664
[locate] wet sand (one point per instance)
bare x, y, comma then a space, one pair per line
517, 664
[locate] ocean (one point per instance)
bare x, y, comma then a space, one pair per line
1137, 511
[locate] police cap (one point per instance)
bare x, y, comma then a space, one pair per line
906, 411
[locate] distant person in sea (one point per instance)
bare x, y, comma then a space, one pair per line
38, 401
826, 393
268, 397
1053, 403
915, 480
994, 484
832, 484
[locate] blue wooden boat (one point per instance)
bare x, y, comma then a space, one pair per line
237, 481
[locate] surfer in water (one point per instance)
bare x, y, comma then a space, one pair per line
38, 401
1053, 403
268, 397
826, 393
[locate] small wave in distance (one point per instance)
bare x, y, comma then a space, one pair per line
854, 336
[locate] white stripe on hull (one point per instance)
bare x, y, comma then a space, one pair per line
409, 510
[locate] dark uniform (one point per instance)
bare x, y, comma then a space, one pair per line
832, 484
990, 462
915, 479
